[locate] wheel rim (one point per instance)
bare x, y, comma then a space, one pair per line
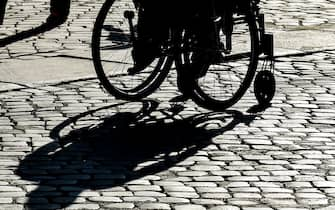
226, 81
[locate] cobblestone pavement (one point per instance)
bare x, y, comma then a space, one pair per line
73, 37
159, 155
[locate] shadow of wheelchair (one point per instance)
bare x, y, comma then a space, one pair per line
123, 142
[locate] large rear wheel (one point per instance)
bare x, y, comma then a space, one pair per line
231, 71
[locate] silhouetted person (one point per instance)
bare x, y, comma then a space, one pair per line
153, 24
155, 19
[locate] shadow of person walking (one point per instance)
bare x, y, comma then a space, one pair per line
3, 4
59, 11
114, 150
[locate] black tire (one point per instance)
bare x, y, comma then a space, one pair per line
227, 79
264, 87
112, 54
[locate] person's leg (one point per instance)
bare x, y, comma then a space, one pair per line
59, 10
195, 17
205, 34
151, 33
2, 10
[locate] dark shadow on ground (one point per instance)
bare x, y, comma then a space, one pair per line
44, 27
114, 150
120, 40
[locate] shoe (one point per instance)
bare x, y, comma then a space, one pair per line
144, 53
201, 60
56, 19
185, 81
150, 38
217, 57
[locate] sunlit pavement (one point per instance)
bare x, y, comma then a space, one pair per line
159, 155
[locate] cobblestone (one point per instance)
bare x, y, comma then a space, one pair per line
207, 202
83, 206
225, 207
155, 206
282, 159
11, 206
120, 206
190, 207
105, 199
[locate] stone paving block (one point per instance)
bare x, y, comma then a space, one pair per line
205, 168
189, 207
216, 195
276, 178
327, 208
242, 202
180, 179
243, 178
279, 202
149, 194
116, 193
155, 206
11, 206
208, 202
325, 184
10, 189
120, 206
247, 195
173, 200
279, 195
183, 194
144, 188
6, 200
86, 194
225, 207
168, 183
83, 206
313, 202
282, 160
211, 190
139, 199
201, 184
181, 189
244, 189
104, 199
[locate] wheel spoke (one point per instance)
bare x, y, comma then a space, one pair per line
229, 77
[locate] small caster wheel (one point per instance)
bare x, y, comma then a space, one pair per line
264, 87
